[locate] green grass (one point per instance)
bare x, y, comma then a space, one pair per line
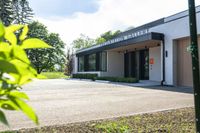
52, 75
173, 121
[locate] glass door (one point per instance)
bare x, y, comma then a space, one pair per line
144, 64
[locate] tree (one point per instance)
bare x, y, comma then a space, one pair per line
16, 70
69, 62
22, 11
15, 12
107, 36
82, 42
6, 12
46, 59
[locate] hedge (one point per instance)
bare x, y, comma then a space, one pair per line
85, 76
118, 79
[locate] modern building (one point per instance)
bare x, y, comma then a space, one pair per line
156, 51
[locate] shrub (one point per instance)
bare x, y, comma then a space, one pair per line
118, 79
85, 76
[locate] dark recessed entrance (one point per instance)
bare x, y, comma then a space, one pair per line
136, 64
144, 64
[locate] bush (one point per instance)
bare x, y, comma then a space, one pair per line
85, 76
118, 79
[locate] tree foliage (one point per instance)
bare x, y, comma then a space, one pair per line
69, 62
22, 12
83, 42
107, 36
6, 12
16, 70
46, 59
15, 12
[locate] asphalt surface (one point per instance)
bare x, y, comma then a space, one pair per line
63, 101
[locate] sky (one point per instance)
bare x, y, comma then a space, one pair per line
70, 18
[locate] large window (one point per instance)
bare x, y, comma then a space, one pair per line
103, 61
81, 63
92, 62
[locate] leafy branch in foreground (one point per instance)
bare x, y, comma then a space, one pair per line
16, 70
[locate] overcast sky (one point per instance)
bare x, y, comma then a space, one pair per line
70, 18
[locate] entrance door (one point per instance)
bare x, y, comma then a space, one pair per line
184, 63
130, 64
144, 64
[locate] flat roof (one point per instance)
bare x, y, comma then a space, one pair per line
131, 41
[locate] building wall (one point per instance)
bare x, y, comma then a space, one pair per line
75, 64
155, 68
115, 64
174, 28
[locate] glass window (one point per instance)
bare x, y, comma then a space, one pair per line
103, 61
92, 62
81, 63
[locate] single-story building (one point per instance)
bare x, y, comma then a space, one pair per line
155, 51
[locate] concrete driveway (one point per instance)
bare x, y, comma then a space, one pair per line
63, 101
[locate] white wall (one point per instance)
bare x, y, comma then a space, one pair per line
155, 69
175, 29
115, 64
75, 64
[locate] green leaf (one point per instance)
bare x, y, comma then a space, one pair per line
13, 28
8, 105
9, 33
7, 67
11, 38
20, 54
3, 118
34, 43
19, 94
5, 47
24, 69
25, 79
24, 33
2, 30
26, 109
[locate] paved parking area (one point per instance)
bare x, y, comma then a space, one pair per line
63, 101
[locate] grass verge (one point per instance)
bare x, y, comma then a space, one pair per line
173, 121
52, 75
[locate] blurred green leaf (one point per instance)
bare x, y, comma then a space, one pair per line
3, 118
8, 105
9, 33
23, 69
13, 28
25, 79
7, 67
11, 38
26, 109
2, 30
19, 95
5, 47
24, 33
34, 43
20, 54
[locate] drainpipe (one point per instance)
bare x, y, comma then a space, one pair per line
163, 64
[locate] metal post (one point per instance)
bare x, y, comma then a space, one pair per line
195, 61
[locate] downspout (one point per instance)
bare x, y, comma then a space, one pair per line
163, 64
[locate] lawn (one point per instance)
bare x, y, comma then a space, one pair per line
52, 75
172, 121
